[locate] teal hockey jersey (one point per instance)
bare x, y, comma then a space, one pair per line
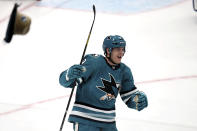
96, 95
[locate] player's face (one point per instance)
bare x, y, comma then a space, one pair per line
117, 54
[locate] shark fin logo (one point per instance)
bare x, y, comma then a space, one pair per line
108, 88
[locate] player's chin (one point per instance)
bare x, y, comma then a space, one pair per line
118, 61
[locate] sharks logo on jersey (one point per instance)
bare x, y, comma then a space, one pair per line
91, 55
108, 88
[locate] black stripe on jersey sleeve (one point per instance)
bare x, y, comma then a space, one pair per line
124, 92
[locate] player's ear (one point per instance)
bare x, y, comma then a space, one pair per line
107, 51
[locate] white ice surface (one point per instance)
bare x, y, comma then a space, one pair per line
161, 51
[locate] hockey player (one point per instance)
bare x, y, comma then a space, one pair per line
100, 79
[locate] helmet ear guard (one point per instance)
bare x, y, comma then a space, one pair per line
109, 49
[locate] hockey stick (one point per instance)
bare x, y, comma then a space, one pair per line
94, 10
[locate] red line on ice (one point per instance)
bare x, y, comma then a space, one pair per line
61, 97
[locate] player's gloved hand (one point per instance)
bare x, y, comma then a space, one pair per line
75, 72
139, 101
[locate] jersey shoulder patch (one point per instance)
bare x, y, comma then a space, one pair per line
91, 57
95, 55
